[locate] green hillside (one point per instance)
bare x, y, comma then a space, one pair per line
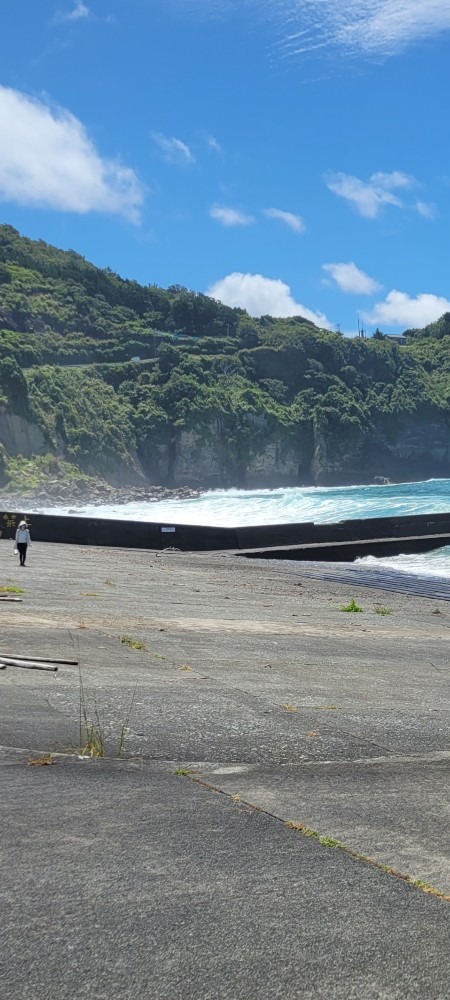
214, 397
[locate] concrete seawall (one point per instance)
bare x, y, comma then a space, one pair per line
69, 530
344, 540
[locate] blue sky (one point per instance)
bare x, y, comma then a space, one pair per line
289, 156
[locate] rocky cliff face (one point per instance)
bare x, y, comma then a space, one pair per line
192, 461
418, 449
199, 463
20, 437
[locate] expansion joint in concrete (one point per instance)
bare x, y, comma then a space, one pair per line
329, 843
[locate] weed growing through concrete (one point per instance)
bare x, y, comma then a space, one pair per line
425, 886
92, 728
352, 606
44, 761
287, 707
183, 772
127, 640
381, 610
307, 832
124, 727
11, 590
89, 593
92, 732
339, 845
302, 828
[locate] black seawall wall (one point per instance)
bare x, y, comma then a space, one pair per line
71, 530
427, 530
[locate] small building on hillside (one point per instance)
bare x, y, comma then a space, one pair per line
397, 338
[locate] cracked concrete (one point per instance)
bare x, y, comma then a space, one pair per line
255, 681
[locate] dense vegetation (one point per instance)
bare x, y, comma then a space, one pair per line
282, 397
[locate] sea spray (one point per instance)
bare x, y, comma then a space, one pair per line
231, 508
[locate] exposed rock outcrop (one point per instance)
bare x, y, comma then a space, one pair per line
20, 437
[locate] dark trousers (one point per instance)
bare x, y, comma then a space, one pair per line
22, 549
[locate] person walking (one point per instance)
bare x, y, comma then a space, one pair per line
23, 540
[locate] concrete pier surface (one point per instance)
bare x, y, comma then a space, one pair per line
278, 824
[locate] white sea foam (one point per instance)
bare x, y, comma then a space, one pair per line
436, 564
231, 508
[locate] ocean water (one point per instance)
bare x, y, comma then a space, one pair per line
322, 504
232, 508
435, 564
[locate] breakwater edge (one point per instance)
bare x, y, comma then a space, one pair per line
238, 519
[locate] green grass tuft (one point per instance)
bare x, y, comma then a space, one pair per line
124, 727
329, 842
351, 607
381, 610
127, 640
92, 731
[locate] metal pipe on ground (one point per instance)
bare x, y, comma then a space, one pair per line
29, 665
37, 659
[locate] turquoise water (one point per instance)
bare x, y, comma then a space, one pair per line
244, 507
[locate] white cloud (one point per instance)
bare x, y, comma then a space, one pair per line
230, 216
262, 296
359, 28
426, 209
362, 27
174, 150
400, 309
370, 197
213, 144
295, 222
79, 13
48, 160
351, 279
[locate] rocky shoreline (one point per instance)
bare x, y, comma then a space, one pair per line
83, 492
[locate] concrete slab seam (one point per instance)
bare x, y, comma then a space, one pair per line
436, 756
325, 841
